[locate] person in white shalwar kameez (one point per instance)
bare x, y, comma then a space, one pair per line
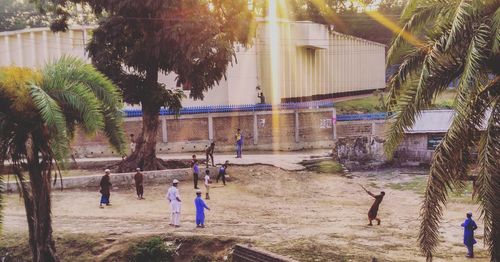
175, 204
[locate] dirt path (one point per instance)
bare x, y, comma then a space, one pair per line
310, 216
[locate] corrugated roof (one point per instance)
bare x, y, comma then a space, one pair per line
438, 121
432, 121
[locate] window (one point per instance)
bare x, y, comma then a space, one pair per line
433, 140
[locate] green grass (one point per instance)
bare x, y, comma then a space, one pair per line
419, 183
369, 104
372, 103
326, 166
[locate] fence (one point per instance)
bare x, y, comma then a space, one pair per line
132, 112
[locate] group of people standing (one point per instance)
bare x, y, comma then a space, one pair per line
173, 195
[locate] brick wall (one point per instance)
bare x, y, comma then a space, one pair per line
192, 129
225, 129
278, 128
190, 133
315, 126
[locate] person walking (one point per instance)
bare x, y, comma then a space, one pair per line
200, 209
210, 153
222, 173
105, 190
372, 213
207, 184
196, 171
239, 143
469, 226
175, 204
132, 143
139, 187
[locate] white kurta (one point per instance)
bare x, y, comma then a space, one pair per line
172, 195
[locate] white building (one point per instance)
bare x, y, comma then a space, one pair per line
290, 61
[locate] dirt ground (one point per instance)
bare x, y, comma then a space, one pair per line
304, 215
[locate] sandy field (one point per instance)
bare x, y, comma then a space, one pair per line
305, 215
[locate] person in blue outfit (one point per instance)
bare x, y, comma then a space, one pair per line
239, 143
200, 209
469, 226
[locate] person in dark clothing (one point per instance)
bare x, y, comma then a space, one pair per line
469, 226
196, 171
222, 173
210, 153
139, 186
105, 185
372, 213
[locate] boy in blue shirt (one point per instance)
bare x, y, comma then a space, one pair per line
196, 171
200, 209
469, 226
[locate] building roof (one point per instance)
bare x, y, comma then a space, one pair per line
432, 121
439, 121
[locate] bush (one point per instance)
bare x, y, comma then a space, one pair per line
152, 250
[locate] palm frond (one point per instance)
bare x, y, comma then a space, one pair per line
411, 65
448, 166
54, 119
462, 17
80, 105
421, 16
103, 97
496, 32
488, 180
435, 76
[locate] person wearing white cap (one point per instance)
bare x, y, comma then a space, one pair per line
469, 226
139, 187
175, 204
200, 209
105, 185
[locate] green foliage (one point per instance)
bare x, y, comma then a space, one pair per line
461, 39
39, 111
326, 166
17, 15
152, 250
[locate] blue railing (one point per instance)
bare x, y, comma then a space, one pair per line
354, 117
234, 108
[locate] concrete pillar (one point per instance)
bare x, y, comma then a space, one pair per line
58, 45
210, 128
334, 123
164, 129
45, 49
33, 49
20, 50
8, 58
255, 129
297, 135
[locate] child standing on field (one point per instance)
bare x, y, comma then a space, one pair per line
207, 182
200, 209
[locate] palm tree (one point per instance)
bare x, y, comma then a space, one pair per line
39, 111
462, 40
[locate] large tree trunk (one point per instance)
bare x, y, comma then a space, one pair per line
144, 154
38, 205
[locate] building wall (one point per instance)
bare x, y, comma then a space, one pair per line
261, 131
313, 62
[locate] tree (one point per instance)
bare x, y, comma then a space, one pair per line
137, 40
39, 111
16, 15
462, 39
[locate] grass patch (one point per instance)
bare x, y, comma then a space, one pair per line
70, 247
326, 166
369, 104
419, 183
374, 103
